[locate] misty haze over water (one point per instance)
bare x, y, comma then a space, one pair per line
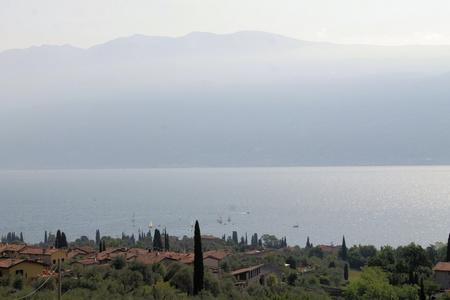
249, 99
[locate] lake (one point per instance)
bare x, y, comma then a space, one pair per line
369, 205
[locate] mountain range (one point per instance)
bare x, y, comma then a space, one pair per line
248, 99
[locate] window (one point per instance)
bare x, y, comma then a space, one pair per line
19, 272
54, 261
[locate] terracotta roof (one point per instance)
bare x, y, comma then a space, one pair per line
86, 249
442, 266
13, 248
10, 262
36, 251
75, 253
244, 270
217, 254
152, 257
329, 249
87, 262
138, 251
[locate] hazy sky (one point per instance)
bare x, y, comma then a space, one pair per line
83, 23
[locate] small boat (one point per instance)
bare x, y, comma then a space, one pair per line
219, 219
296, 225
150, 225
229, 219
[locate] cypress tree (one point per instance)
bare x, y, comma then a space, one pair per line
104, 245
307, 242
448, 248
198, 261
58, 239
21, 236
344, 249
166, 240
346, 272
45, 237
157, 243
63, 243
97, 236
422, 295
235, 237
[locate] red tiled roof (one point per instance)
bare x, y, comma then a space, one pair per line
243, 270
75, 253
86, 249
217, 254
36, 251
442, 266
10, 262
329, 249
12, 248
87, 262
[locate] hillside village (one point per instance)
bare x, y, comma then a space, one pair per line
235, 270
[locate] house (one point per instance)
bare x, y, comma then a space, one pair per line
209, 239
85, 263
442, 274
28, 269
88, 251
155, 257
329, 249
11, 251
245, 276
47, 256
214, 258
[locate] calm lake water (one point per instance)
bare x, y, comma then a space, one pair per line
369, 205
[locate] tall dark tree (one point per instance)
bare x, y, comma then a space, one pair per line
254, 241
343, 249
97, 236
58, 239
308, 245
448, 248
166, 240
157, 242
45, 237
63, 242
422, 295
21, 236
235, 237
346, 272
198, 261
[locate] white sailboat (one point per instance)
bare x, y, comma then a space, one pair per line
219, 219
150, 225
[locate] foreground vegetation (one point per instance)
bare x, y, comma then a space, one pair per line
358, 272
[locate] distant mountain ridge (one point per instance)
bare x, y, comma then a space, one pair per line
242, 99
